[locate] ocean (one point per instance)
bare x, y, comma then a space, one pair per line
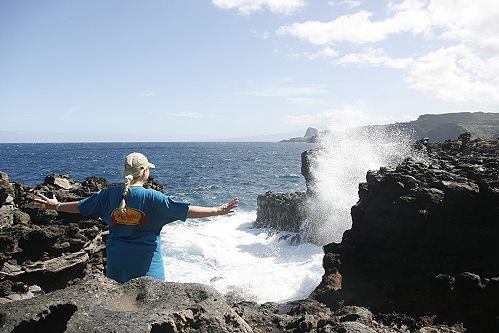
225, 252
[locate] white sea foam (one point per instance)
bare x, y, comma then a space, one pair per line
236, 259
340, 166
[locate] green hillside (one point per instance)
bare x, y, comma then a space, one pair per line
440, 127
436, 127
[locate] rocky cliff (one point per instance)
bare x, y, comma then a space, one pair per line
437, 127
423, 240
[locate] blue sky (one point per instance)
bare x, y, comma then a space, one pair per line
195, 70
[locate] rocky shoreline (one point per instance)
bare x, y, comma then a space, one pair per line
423, 240
420, 257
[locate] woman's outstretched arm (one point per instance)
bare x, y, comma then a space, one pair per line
68, 207
198, 211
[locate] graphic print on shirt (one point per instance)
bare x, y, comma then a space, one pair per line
130, 216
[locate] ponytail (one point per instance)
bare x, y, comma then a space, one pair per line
122, 206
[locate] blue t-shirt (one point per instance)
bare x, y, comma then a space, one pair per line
133, 246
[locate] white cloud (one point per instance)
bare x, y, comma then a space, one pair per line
246, 7
359, 28
375, 57
457, 74
458, 62
476, 21
350, 3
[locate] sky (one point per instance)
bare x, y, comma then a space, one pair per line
201, 70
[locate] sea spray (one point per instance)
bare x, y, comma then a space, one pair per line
243, 262
339, 166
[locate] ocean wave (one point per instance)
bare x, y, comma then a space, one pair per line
227, 253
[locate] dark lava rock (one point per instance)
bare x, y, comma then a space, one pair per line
43, 248
6, 189
140, 305
423, 240
281, 211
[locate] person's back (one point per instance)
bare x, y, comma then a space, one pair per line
133, 247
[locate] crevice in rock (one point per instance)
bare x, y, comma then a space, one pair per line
2, 318
55, 320
167, 327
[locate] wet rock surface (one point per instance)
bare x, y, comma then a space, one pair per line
422, 249
280, 211
287, 211
423, 240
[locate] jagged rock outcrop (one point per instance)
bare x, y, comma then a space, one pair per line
287, 211
280, 211
311, 136
423, 240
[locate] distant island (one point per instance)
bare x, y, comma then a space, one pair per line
435, 127
311, 135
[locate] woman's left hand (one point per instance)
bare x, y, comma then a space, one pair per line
228, 207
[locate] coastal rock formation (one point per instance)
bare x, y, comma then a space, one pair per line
437, 127
311, 135
280, 211
149, 305
423, 240
287, 211
140, 305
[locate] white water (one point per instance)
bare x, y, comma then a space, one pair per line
244, 262
248, 263
340, 166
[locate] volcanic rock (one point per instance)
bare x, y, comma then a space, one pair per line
423, 240
280, 211
140, 305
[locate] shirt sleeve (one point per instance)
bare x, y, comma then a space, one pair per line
171, 210
93, 205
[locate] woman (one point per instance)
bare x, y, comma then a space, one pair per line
135, 216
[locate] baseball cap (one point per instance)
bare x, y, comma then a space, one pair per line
135, 163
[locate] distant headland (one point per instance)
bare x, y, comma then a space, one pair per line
435, 127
